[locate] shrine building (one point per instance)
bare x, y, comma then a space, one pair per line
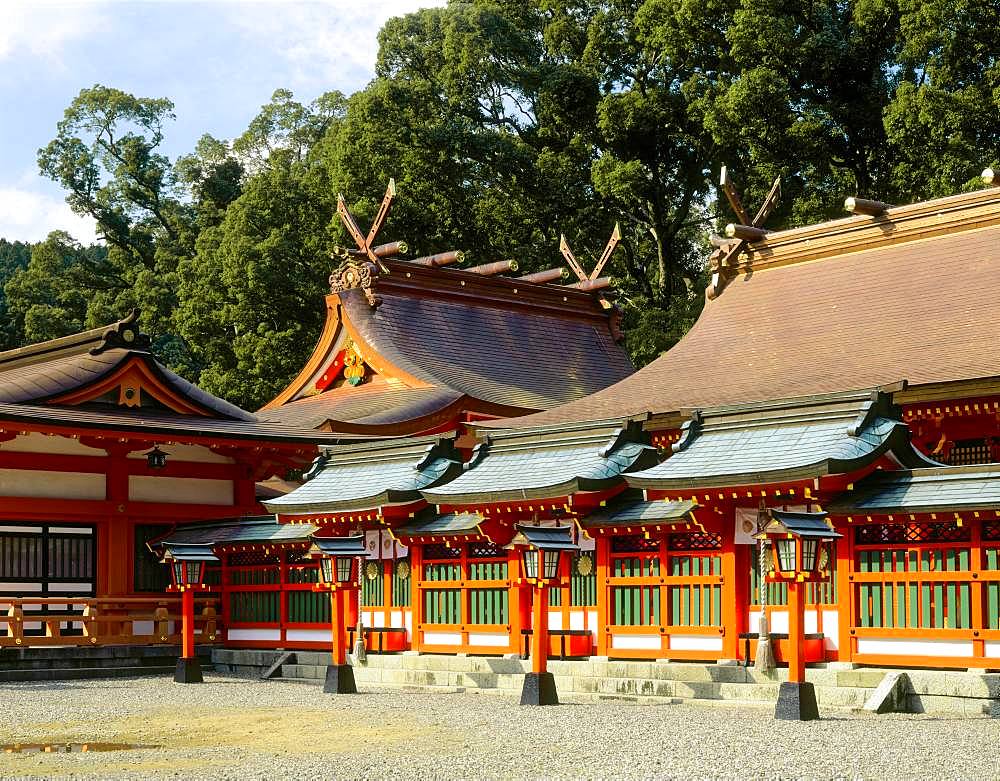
848, 368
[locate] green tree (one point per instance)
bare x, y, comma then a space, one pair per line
251, 297
53, 295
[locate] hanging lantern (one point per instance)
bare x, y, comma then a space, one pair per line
156, 458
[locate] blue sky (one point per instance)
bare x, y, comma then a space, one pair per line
217, 61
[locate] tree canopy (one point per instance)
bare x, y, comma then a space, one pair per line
506, 123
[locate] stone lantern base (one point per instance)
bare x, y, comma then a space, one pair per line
539, 689
188, 671
340, 679
796, 702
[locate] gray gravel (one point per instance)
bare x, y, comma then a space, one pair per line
237, 729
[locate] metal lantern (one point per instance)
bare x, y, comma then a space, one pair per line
336, 558
797, 539
326, 570
156, 458
542, 549
187, 563
550, 563
529, 558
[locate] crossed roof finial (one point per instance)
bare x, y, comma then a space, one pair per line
738, 235
609, 248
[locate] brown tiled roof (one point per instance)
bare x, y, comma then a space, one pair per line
32, 377
455, 341
921, 304
371, 404
126, 420
489, 351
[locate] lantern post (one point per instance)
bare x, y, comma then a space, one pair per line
187, 568
798, 541
339, 571
542, 549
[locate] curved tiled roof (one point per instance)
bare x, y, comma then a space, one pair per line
497, 354
887, 302
371, 404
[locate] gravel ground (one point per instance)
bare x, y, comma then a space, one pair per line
237, 729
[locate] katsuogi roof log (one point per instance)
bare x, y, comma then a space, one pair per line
370, 476
440, 259
543, 464
548, 275
783, 441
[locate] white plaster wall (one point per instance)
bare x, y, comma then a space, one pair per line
179, 490
45, 443
306, 635
992, 649
443, 638
51, 485
874, 645
831, 629
254, 634
491, 639
637, 642
695, 643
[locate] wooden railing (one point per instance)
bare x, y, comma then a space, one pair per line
59, 621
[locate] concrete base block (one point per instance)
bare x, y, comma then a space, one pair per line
539, 689
796, 702
729, 662
340, 680
411, 653
188, 671
891, 695
841, 666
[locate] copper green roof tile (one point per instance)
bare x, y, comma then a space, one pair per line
924, 490
782, 441
365, 477
540, 464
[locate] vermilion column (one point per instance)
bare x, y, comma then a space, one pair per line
338, 635
540, 623
796, 632
187, 625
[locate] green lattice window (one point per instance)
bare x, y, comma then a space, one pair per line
488, 606
487, 570
254, 607
443, 606
911, 601
636, 605
402, 588
436, 571
373, 588
308, 607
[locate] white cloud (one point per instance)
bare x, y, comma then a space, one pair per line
331, 44
26, 215
41, 29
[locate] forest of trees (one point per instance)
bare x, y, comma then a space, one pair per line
505, 123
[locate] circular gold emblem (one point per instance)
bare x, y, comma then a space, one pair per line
403, 570
584, 565
371, 570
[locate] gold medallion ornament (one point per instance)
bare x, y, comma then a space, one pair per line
584, 565
371, 570
403, 570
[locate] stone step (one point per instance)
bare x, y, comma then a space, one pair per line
78, 673
302, 671
15, 656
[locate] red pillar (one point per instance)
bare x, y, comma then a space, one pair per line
338, 635
187, 629
796, 632
540, 631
